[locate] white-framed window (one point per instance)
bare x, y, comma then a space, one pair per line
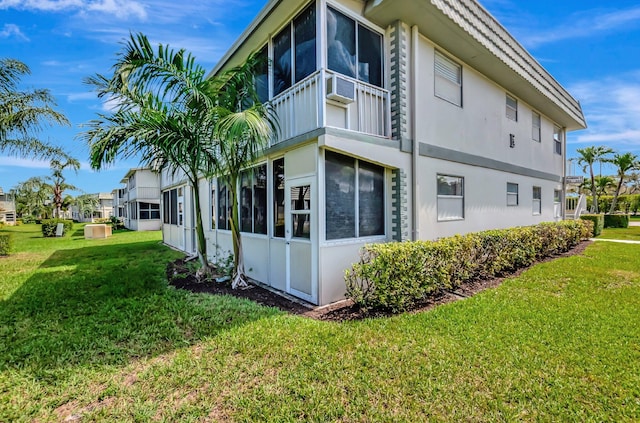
353, 49
537, 200
170, 207
557, 203
558, 136
149, 211
512, 108
512, 194
448, 79
278, 198
536, 125
354, 196
450, 197
212, 199
253, 200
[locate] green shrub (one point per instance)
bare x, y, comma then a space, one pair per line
394, 276
616, 220
49, 227
598, 222
6, 244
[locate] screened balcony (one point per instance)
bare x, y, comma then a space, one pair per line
337, 82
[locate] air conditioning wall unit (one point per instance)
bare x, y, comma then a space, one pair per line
341, 89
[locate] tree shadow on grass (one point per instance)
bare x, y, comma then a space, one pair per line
106, 305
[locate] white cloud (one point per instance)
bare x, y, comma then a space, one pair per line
20, 162
611, 106
589, 23
12, 30
122, 9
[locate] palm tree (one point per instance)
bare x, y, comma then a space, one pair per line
23, 113
171, 116
58, 181
624, 163
588, 156
32, 197
633, 182
87, 204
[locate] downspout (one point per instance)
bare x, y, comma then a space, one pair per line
415, 154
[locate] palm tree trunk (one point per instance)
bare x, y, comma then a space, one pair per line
594, 194
239, 277
615, 198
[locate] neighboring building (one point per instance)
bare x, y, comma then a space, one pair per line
138, 203
7, 208
103, 209
400, 120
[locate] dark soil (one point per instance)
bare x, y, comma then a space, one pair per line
180, 276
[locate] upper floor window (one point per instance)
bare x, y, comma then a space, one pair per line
512, 108
557, 139
535, 126
294, 51
352, 49
448, 80
261, 77
450, 197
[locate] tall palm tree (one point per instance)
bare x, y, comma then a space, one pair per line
24, 113
58, 181
587, 157
624, 163
32, 196
171, 116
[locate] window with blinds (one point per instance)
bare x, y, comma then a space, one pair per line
448, 80
512, 108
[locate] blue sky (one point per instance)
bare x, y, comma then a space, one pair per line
591, 47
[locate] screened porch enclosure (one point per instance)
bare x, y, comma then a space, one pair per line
331, 78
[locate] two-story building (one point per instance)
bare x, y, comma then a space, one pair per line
137, 203
400, 120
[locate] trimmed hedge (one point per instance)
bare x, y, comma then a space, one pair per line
6, 244
598, 222
616, 220
49, 227
394, 276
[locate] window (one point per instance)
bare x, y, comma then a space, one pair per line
354, 197
535, 126
133, 210
512, 194
448, 80
512, 108
253, 200
301, 212
213, 205
149, 211
557, 139
169, 207
294, 51
537, 200
224, 204
450, 197
353, 50
261, 78
278, 198
557, 203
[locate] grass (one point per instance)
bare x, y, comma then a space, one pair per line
632, 233
558, 343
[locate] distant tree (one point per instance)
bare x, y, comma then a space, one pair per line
87, 204
623, 163
58, 182
24, 113
587, 157
33, 197
175, 118
633, 182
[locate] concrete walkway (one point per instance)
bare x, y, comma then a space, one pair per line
623, 241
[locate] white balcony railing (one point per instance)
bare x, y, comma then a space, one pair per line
144, 193
303, 108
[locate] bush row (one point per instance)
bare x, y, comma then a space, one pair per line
49, 227
394, 276
597, 220
627, 203
6, 244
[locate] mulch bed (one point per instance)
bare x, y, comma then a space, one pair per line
181, 277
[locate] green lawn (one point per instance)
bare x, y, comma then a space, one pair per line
89, 329
632, 233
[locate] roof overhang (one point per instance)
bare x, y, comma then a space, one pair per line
466, 30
